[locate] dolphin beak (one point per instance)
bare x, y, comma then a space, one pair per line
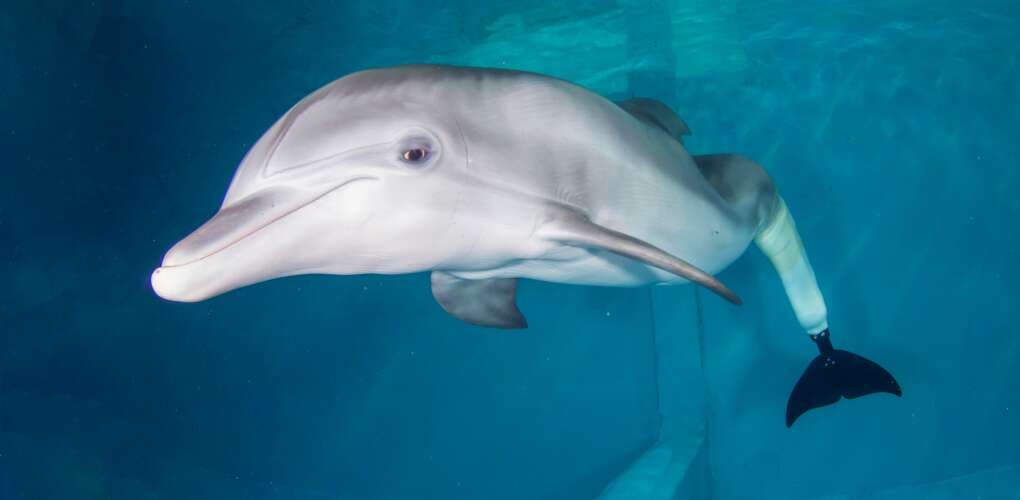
256, 238
235, 222
208, 263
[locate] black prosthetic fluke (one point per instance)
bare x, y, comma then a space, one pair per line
834, 374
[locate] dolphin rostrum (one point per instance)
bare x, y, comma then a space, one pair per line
484, 176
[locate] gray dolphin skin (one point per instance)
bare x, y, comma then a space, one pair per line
484, 176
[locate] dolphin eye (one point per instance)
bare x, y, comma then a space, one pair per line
415, 155
418, 149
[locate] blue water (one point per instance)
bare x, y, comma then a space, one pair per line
890, 127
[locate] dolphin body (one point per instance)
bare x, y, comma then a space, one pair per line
484, 176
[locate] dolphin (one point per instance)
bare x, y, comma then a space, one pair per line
484, 176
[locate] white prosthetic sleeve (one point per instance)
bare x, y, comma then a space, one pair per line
781, 244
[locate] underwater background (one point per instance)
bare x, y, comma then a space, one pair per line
891, 128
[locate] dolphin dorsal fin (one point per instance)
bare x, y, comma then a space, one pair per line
488, 302
656, 114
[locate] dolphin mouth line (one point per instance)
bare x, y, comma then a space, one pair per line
268, 223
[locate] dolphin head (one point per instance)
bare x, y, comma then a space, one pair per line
355, 178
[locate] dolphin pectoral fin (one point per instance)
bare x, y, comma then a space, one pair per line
576, 230
834, 374
488, 302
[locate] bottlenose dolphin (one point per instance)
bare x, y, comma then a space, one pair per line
484, 176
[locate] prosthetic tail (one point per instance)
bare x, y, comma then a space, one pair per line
833, 373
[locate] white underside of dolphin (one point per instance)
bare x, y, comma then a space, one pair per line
484, 176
